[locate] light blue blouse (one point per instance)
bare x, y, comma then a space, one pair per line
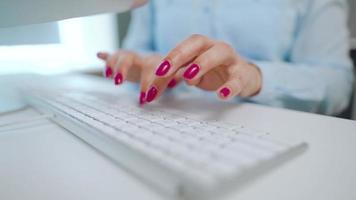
301, 46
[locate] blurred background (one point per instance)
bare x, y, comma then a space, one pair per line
71, 45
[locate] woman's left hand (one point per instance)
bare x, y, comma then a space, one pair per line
210, 65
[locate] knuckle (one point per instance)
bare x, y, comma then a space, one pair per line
205, 62
126, 54
226, 46
197, 37
124, 62
176, 53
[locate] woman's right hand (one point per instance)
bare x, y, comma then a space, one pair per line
127, 65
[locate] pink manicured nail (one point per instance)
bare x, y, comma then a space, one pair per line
225, 92
151, 94
191, 72
108, 72
172, 83
118, 79
142, 98
163, 68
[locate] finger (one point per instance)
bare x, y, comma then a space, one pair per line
124, 62
147, 75
146, 79
158, 87
220, 55
173, 83
232, 87
110, 62
176, 79
184, 53
102, 55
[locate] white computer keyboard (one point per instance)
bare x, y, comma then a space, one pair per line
172, 151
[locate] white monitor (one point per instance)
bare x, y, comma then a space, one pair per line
30, 44
57, 47
20, 12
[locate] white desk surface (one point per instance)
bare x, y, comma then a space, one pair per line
43, 161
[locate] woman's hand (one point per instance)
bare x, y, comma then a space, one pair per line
127, 65
210, 65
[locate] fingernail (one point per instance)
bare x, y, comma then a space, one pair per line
99, 54
163, 68
225, 92
172, 83
108, 72
151, 94
118, 79
142, 98
191, 72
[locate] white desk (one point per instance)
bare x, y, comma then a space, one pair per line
46, 162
